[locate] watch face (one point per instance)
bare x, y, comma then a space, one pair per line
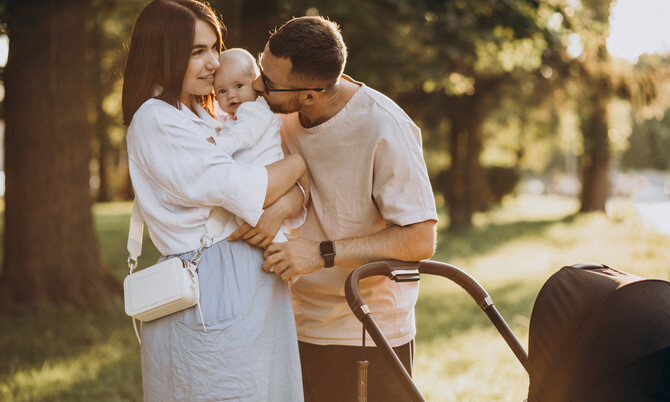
327, 248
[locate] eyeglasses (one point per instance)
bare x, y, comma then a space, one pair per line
267, 87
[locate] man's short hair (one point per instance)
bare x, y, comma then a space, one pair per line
315, 47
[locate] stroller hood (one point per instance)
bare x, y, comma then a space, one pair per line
598, 334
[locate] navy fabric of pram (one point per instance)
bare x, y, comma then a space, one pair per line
599, 334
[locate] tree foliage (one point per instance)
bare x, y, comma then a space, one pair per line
499, 87
450, 64
488, 81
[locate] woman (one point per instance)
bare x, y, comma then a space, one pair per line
249, 351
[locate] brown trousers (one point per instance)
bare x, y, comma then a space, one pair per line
329, 373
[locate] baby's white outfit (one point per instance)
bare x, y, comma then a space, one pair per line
253, 137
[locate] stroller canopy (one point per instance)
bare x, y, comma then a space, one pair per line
598, 334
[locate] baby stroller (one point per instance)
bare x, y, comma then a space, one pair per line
596, 334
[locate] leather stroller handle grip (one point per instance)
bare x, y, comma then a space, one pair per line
459, 277
391, 268
378, 268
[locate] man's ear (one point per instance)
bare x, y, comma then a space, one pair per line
311, 97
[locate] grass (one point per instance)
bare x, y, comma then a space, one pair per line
73, 354
512, 251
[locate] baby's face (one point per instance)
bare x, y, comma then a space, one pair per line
232, 85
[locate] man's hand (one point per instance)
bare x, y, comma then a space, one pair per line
297, 256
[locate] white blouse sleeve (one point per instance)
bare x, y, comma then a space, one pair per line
184, 169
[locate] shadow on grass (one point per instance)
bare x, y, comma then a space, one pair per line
34, 335
120, 381
444, 315
469, 242
39, 337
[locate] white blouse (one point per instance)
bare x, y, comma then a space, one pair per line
178, 176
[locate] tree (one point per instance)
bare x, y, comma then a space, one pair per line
50, 251
449, 64
650, 99
600, 81
248, 22
109, 25
597, 89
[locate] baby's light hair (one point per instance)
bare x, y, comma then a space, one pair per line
243, 56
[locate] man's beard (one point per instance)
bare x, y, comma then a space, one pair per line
289, 106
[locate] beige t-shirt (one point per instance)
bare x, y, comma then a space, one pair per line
366, 172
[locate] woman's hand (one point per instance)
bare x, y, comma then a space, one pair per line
252, 235
265, 231
288, 206
268, 225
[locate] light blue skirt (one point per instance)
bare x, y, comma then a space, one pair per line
250, 349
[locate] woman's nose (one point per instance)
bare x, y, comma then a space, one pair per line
213, 60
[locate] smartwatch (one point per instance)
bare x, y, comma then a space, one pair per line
327, 253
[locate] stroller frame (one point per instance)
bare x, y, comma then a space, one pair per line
401, 271
617, 346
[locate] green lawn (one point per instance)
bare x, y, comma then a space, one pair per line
73, 354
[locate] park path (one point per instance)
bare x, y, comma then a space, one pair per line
652, 200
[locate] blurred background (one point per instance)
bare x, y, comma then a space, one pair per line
546, 134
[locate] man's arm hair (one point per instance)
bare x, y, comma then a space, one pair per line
412, 242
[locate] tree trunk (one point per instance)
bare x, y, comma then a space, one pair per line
100, 125
464, 187
596, 158
50, 251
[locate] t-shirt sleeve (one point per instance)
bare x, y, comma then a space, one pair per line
401, 187
187, 170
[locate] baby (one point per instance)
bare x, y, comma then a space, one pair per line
250, 131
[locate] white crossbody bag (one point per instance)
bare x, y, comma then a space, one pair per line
169, 286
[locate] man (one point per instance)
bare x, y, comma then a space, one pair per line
370, 200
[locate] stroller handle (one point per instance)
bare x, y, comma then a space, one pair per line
401, 271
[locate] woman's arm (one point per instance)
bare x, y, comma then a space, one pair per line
189, 172
282, 175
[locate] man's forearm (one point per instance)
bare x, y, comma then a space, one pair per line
302, 256
406, 243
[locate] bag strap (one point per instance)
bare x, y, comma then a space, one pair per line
214, 227
135, 235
